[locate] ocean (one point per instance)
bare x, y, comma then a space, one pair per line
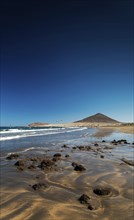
18, 139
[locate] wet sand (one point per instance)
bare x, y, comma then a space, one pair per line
51, 190
103, 132
102, 126
125, 129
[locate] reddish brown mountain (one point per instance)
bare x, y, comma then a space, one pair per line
98, 118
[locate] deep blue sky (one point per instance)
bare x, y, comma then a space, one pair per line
66, 60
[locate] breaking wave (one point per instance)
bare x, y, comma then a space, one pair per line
21, 133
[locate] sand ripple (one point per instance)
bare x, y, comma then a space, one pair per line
60, 199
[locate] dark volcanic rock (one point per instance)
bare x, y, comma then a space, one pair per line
55, 159
101, 191
46, 163
74, 164
84, 199
20, 163
121, 141
74, 148
92, 203
102, 156
114, 142
79, 168
12, 156
103, 141
67, 155
96, 145
81, 147
91, 207
88, 148
65, 146
57, 155
38, 186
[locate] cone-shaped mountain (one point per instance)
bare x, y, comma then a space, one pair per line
98, 118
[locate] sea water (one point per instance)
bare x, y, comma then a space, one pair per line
17, 139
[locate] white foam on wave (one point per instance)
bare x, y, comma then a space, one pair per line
22, 151
24, 130
80, 129
9, 131
10, 138
33, 134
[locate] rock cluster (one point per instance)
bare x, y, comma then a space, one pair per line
121, 141
12, 156
38, 186
46, 164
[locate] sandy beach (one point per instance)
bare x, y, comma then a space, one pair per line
68, 182
103, 126
66, 110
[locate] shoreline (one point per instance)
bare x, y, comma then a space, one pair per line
50, 183
125, 128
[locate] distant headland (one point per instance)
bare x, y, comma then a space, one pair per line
93, 119
98, 120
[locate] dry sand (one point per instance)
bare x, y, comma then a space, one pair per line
106, 126
64, 186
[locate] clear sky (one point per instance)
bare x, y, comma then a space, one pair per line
66, 60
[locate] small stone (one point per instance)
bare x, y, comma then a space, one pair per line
38, 186
114, 142
103, 141
88, 148
84, 199
74, 164
102, 156
74, 148
91, 207
57, 155
20, 163
55, 159
67, 155
96, 145
81, 147
64, 146
79, 168
102, 191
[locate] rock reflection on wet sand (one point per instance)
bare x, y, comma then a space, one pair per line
51, 189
